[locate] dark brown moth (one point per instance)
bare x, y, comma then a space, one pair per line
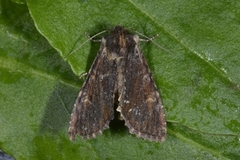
120, 69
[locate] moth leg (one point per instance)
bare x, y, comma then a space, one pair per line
82, 75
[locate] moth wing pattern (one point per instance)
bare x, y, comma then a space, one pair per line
120, 69
139, 103
93, 109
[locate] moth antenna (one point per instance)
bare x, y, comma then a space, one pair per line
148, 38
151, 39
89, 38
94, 40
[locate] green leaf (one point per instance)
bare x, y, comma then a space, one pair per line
198, 80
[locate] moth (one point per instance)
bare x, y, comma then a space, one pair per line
120, 71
